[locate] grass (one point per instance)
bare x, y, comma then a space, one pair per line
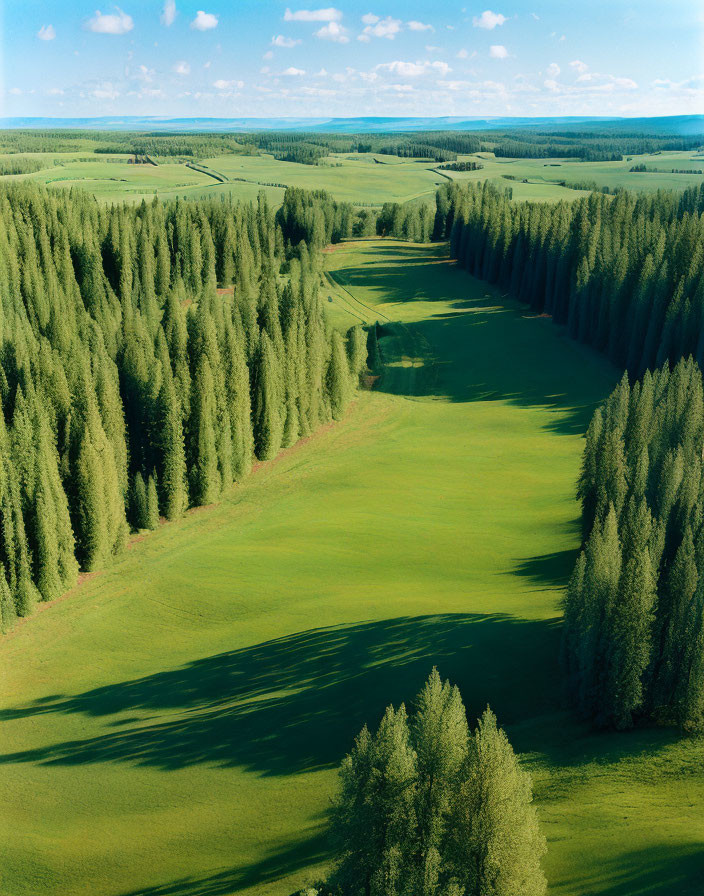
367, 179
543, 176
172, 727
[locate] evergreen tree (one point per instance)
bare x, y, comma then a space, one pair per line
430, 809
338, 378
496, 843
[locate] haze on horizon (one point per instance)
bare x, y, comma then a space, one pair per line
275, 58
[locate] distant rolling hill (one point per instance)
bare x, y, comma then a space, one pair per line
681, 125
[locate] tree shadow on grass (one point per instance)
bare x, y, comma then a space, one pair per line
659, 871
295, 704
547, 570
484, 348
488, 352
275, 864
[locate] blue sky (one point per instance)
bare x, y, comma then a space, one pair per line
263, 58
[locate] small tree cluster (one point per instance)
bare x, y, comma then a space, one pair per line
427, 808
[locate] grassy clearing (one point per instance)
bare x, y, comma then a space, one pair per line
543, 175
173, 726
351, 177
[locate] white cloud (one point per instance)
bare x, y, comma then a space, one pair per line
55, 91
144, 74
294, 72
413, 69
455, 85
221, 84
579, 66
370, 19
388, 27
117, 23
488, 20
15, 91
318, 91
106, 91
550, 84
419, 26
168, 13
282, 41
462, 54
268, 55
553, 70
498, 51
182, 68
204, 21
333, 31
330, 14
46, 32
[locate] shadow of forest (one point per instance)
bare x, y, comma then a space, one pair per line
487, 348
295, 703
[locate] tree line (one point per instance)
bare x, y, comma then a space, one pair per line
626, 275
634, 612
427, 807
130, 390
593, 145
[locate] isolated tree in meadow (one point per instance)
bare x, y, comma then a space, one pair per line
356, 352
375, 361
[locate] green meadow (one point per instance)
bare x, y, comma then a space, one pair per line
172, 727
540, 179
367, 179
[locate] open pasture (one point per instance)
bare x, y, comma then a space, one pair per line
364, 179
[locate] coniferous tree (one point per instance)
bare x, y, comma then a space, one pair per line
338, 378
429, 809
632, 610
119, 362
496, 844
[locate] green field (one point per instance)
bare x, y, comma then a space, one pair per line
543, 175
368, 179
172, 727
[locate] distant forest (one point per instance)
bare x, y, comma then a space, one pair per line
310, 148
129, 389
